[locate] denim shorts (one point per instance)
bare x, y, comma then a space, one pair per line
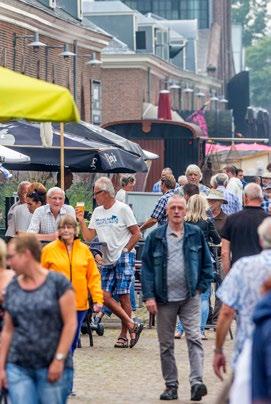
117, 278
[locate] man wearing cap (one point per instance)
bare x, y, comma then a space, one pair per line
219, 182
266, 179
216, 200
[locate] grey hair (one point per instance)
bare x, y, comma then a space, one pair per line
219, 179
21, 185
253, 191
193, 168
53, 190
264, 232
105, 184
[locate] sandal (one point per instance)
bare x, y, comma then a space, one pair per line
121, 343
138, 327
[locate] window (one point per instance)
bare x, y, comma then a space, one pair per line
175, 9
95, 97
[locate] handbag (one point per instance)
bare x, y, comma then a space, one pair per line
3, 396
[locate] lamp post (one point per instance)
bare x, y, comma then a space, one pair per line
35, 44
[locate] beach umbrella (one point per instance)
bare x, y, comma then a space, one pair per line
24, 97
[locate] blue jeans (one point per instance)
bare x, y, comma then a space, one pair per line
80, 318
204, 309
30, 386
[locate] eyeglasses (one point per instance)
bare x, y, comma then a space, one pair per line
97, 193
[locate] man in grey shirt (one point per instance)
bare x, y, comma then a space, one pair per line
176, 269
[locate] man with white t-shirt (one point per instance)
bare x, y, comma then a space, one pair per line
115, 225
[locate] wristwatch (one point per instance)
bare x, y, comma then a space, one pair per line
125, 250
60, 356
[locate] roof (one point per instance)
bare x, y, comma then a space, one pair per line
186, 28
105, 7
64, 15
116, 46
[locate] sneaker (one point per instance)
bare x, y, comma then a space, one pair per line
204, 337
198, 390
171, 393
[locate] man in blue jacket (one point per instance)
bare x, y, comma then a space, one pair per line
176, 269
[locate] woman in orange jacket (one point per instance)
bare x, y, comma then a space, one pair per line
73, 259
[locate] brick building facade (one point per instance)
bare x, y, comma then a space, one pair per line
56, 28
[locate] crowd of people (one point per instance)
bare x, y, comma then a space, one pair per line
204, 238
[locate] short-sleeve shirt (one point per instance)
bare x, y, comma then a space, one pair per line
234, 205
37, 321
20, 220
240, 290
44, 222
111, 226
241, 230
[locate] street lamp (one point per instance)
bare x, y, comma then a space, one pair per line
93, 61
36, 44
66, 54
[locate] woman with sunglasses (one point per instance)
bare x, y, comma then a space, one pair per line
73, 259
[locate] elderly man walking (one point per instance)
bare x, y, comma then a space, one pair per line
115, 225
239, 234
240, 292
45, 219
176, 269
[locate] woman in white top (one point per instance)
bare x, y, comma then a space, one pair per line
127, 184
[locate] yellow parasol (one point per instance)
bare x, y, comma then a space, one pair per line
24, 97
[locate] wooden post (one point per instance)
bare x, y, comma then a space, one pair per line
62, 155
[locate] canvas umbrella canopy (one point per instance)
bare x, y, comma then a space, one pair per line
81, 154
12, 157
23, 97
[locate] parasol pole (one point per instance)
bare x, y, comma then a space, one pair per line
62, 155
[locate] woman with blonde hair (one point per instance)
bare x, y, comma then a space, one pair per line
5, 277
197, 208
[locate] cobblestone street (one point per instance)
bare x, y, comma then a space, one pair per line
104, 374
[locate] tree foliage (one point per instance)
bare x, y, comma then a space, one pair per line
258, 59
252, 15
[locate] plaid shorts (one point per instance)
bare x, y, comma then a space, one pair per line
117, 278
